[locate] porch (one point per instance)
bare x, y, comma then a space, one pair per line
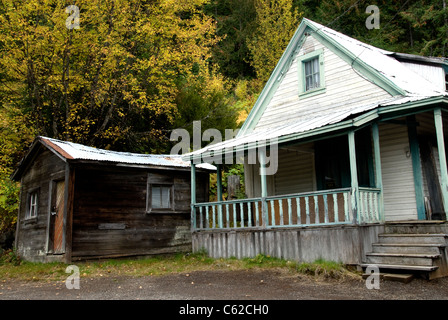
388, 168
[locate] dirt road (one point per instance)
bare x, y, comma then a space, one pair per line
223, 285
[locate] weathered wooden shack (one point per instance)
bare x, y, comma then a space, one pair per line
344, 157
79, 202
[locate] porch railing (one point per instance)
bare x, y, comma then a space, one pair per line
369, 205
329, 207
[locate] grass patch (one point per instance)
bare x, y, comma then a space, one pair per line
12, 268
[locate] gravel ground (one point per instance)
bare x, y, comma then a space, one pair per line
223, 285
274, 294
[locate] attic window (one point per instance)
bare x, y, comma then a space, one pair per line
311, 73
446, 81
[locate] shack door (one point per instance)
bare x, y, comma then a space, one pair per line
57, 218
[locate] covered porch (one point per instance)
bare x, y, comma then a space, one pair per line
343, 165
346, 181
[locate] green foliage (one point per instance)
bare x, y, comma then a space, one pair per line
236, 21
277, 21
9, 257
113, 82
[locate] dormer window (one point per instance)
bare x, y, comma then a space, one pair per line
311, 73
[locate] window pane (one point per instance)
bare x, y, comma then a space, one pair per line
32, 210
308, 70
309, 81
155, 197
166, 197
312, 77
160, 197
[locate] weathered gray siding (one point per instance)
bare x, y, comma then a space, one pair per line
31, 238
345, 244
110, 218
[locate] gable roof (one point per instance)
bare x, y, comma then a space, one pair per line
381, 67
75, 152
377, 65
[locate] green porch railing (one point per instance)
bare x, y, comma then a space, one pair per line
329, 207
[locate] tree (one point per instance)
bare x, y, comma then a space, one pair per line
236, 21
277, 21
111, 83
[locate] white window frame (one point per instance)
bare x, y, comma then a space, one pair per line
149, 190
302, 60
32, 207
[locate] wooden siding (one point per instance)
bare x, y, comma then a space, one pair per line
252, 181
298, 244
110, 219
434, 74
345, 89
31, 238
295, 171
398, 179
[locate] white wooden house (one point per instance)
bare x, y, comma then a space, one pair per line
359, 135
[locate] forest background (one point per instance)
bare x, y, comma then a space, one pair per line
135, 70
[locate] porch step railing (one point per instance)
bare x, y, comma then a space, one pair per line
329, 207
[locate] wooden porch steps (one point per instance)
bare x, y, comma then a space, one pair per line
417, 253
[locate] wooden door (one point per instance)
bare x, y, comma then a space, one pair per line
58, 217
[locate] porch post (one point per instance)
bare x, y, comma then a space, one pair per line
264, 185
378, 172
219, 193
193, 196
353, 174
442, 156
219, 182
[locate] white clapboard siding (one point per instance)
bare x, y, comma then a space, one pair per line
252, 181
426, 128
398, 177
295, 172
345, 89
433, 74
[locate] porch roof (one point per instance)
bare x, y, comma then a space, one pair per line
312, 127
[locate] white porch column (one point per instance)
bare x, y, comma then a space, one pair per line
378, 172
442, 157
354, 175
264, 186
193, 196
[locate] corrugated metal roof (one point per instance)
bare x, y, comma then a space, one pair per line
303, 126
382, 61
75, 151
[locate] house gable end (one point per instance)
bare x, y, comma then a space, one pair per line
307, 30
